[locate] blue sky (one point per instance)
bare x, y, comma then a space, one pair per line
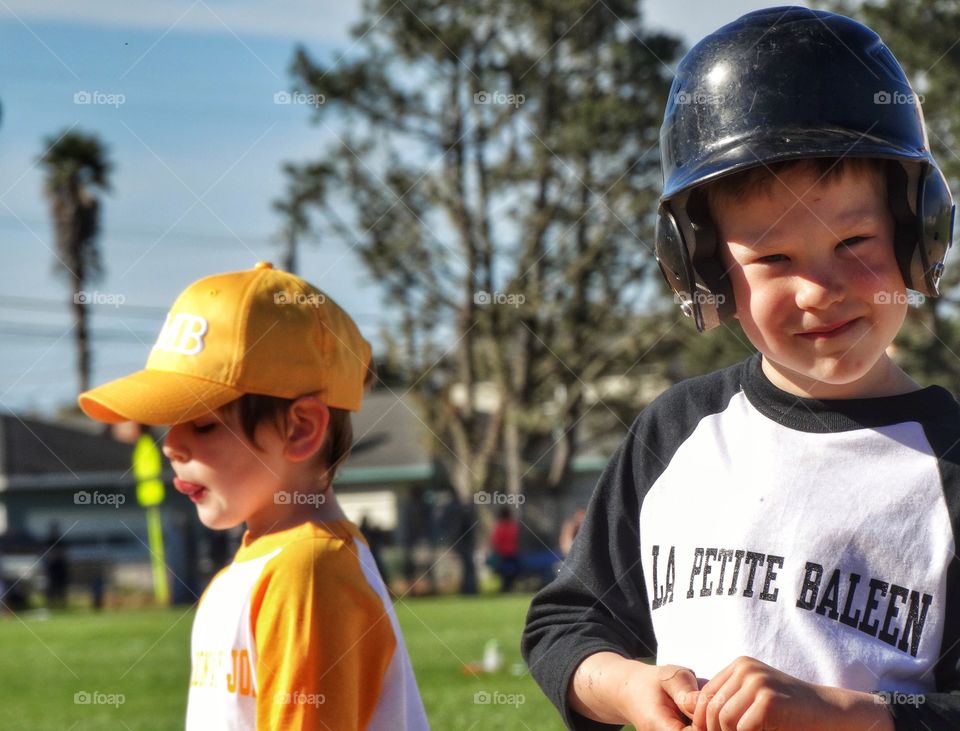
197, 145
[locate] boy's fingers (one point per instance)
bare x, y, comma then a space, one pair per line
681, 685
716, 686
687, 702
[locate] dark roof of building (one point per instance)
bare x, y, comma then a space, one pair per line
390, 441
391, 444
35, 452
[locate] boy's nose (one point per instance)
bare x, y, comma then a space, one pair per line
174, 447
819, 289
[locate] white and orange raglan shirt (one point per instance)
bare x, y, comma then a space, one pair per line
299, 633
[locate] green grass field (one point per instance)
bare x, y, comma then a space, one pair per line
142, 655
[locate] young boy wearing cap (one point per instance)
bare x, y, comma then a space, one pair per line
780, 535
256, 374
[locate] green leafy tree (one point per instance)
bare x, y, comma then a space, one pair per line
304, 187
497, 174
76, 168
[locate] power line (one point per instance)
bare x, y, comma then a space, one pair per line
207, 239
52, 332
37, 304
153, 312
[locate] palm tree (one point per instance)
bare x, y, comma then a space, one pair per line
76, 167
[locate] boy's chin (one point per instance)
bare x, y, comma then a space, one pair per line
830, 378
215, 521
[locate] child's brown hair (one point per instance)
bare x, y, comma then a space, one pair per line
254, 409
761, 180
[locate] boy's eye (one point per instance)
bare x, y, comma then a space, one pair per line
204, 428
772, 258
853, 240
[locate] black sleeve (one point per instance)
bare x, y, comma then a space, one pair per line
940, 711
598, 602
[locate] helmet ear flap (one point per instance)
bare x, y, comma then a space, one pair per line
674, 261
699, 283
717, 302
923, 209
935, 214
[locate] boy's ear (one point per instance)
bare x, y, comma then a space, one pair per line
307, 421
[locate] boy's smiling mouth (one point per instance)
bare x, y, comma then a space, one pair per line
829, 331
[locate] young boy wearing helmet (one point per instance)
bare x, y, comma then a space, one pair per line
780, 535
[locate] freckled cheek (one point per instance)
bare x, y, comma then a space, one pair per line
873, 274
769, 306
865, 278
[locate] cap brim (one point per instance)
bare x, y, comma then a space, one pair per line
156, 398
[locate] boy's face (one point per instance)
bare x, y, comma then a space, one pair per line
816, 283
230, 479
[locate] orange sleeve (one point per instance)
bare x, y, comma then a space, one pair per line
324, 640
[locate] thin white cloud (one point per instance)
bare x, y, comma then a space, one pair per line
326, 21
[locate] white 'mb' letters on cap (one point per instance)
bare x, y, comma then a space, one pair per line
182, 334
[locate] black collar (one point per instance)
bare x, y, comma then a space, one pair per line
930, 404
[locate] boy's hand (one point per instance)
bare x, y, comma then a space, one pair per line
612, 689
653, 703
749, 695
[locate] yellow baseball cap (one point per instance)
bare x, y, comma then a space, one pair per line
260, 331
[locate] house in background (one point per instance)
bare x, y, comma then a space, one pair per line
73, 482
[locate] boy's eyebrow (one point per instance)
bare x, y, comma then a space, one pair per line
770, 238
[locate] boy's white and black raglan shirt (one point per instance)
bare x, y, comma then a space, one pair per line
736, 519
